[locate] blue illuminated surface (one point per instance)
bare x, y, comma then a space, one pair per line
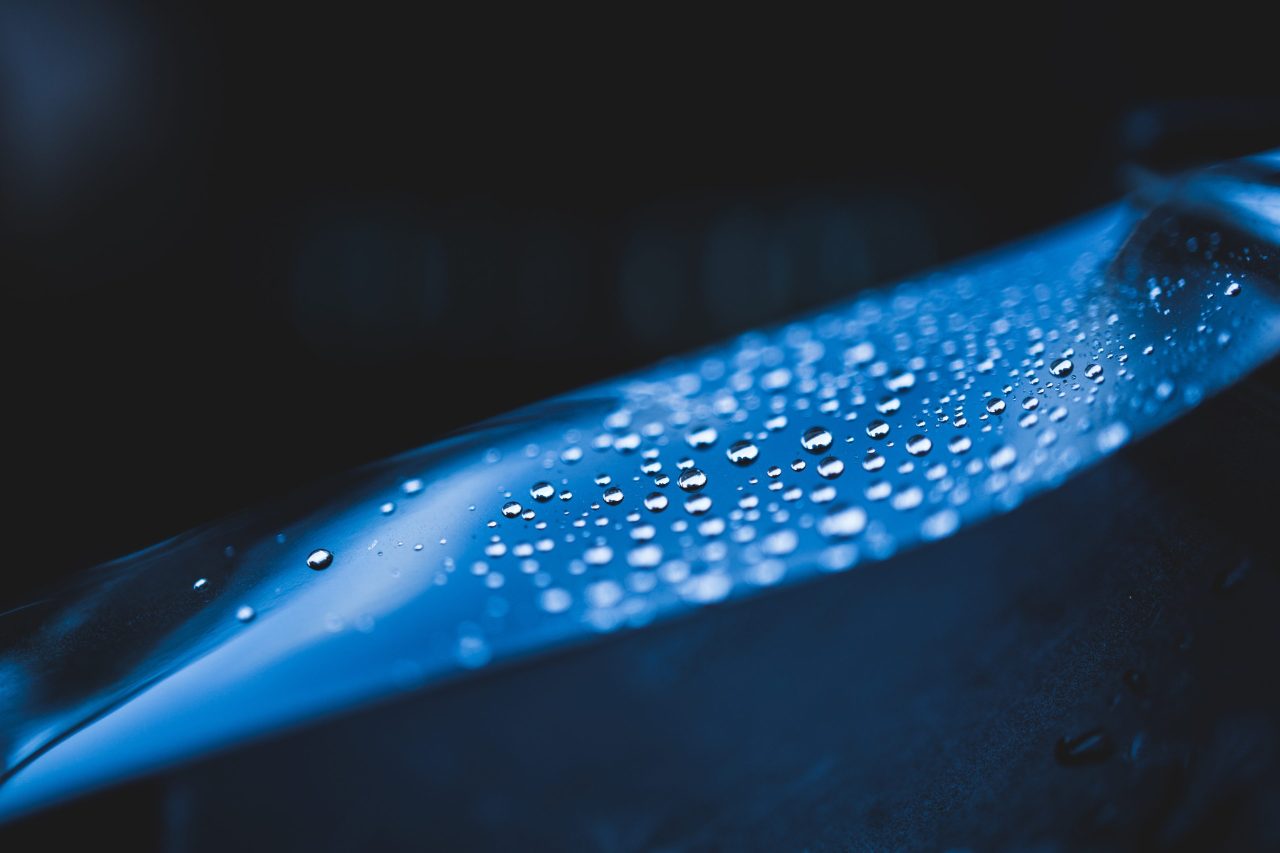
826, 445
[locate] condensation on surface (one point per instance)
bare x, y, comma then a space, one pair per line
825, 445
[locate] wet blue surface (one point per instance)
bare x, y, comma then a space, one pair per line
946, 400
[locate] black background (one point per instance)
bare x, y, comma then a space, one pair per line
246, 249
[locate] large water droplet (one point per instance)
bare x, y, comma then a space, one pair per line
830, 468
742, 453
691, 479
655, 502
697, 504
919, 445
702, 438
815, 439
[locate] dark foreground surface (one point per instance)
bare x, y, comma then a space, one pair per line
917, 703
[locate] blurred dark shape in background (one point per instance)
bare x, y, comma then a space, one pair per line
245, 251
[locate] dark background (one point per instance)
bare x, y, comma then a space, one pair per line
247, 249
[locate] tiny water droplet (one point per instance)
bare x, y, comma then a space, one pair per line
319, 559
877, 429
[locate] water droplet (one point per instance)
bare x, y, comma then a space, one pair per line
830, 468
691, 479
995, 405
940, 524
774, 471
246, 613
843, 521
1002, 457
873, 461
742, 453
542, 492
697, 504
1093, 371
900, 381
555, 600
598, 556
1061, 367
909, 498
780, 542
1031, 403
877, 429
815, 439
319, 559
387, 508
655, 502
798, 464
1232, 288
1112, 436
959, 444
888, 405
412, 487
511, 509
612, 495
1092, 747
919, 445
702, 438
200, 584
603, 479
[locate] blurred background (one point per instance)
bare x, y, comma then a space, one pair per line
245, 250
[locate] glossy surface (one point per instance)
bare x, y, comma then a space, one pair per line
962, 395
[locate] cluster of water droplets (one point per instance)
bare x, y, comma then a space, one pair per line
890, 421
